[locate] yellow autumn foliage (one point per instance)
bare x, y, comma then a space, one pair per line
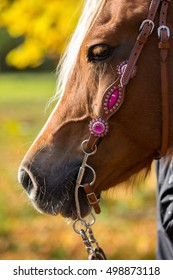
45, 25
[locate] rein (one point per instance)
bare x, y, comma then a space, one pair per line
112, 100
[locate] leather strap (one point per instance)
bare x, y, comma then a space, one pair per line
146, 29
92, 142
163, 33
92, 198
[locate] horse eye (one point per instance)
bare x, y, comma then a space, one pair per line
99, 52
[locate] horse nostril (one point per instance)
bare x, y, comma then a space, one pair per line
26, 179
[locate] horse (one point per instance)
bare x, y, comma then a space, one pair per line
99, 55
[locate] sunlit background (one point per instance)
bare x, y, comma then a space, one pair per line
33, 35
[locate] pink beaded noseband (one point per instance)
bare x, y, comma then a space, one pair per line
112, 100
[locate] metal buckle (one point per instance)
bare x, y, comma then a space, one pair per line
150, 22
94, 200
163, 27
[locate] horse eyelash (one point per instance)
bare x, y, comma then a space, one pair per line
94, 59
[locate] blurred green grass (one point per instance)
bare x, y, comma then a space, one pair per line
21, 88
126, 228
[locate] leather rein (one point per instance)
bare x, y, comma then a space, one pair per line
112, 100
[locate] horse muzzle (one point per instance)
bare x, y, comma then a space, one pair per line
52, 199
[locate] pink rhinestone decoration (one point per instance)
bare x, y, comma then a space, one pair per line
98, 127
122, 67
113, 99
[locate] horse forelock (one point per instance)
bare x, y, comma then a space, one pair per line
90, 11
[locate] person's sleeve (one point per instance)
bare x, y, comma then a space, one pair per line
166, 196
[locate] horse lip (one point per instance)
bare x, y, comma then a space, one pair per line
65, 207
44, 210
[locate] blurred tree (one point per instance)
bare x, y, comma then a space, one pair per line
44, 25
7, 43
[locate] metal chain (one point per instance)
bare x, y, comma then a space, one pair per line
91, 244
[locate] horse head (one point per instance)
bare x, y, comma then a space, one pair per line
105, 37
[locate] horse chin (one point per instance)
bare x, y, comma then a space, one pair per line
68, 210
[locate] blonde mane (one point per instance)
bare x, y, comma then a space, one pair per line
90, 11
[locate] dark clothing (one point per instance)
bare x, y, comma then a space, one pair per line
164, 170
